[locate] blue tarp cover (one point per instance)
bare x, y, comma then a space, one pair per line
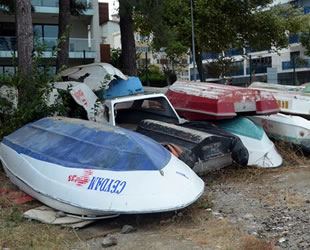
82, 144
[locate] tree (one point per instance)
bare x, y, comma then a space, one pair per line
24, 31
63, 34
66, 9
128, 57
225, 24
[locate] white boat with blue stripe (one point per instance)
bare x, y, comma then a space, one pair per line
91, 169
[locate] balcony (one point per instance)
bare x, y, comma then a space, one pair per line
258, 69
238, 72
78, 47
52, 6
290, 64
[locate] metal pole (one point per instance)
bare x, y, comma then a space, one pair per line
294, 70
250, 68
146, 69
193, 40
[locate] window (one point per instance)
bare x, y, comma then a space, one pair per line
47, 34
294, 55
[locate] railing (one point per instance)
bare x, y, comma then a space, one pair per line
238, 72
258, 69
55, 3
8, 43
45, 3
290, 64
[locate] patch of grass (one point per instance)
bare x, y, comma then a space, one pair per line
19, 233
292, 155
204, 202
252, 243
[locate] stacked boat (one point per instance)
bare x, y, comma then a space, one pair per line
223, 105
210, 101
292, 124
292, 101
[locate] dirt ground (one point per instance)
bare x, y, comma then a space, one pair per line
241, 208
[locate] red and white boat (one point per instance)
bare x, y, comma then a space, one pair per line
204, 101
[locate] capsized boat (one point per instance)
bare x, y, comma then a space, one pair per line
205, 101
288, 128
304, 88
89, 169
203, 148
95, 75
290, 102
262, 151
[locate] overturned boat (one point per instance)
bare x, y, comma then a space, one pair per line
262, 151
201, 147
211, 101
91, 169
290, 101
288, 128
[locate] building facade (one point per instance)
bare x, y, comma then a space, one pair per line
288, 66
84, 45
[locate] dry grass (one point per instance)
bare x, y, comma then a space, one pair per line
19, 233
292, 155
252, 243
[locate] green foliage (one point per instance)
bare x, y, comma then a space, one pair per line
154, 74
78, 7
34, 89
221, 25
221, 67
116, 58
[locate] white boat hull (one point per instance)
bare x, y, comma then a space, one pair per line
293, 129
290, 101
78, 191
262, 153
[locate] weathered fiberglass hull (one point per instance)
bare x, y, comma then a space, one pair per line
288, 128
211, 101
262, 151
202, 147
85, 168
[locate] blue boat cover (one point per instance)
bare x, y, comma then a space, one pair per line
77, 143
242, 126
120, 87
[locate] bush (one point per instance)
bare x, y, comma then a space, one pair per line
155, 76
34, 90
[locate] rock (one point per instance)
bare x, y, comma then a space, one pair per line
281, 240
109, 241
128, 229
248, 216
180, 214
60, 214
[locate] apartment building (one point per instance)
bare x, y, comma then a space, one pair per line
84, 36
110, 35
287, 66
